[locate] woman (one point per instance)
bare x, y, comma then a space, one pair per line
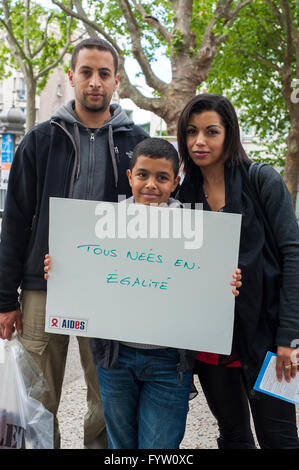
267, 309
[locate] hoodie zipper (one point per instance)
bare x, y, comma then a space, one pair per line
91, 161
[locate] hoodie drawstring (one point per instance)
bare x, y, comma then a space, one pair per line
76, 145
77, 141
112, 153
62, 126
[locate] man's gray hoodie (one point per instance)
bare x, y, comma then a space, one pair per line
93, 147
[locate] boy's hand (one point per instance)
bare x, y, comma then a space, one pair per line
237, 276
47, 267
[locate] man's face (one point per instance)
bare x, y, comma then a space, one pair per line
93, 79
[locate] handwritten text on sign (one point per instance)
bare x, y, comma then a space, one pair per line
146, 290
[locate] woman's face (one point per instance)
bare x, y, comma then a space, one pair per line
205, 137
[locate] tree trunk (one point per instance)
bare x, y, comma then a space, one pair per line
291, 171
174, 108
30, 102
180, 91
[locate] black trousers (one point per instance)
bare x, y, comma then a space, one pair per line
226, 394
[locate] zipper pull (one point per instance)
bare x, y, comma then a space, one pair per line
116, 151
92, 137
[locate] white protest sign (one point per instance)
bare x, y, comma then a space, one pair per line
143, 274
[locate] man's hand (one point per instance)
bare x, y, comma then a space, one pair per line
9, 322
288, 361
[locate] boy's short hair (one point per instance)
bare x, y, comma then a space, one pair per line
155, 147
94, 43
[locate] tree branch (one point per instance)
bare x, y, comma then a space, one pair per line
210, 41
61, 55
269, 36
287, 18
90, 31
257, 55
276, 12
182, 19
127, 90
151, 79
154, 22
44, 42
16, 48
88, 22
240, 5
225, 12
26, 35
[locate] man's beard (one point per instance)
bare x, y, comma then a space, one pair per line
97, 107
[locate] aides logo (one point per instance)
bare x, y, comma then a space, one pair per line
70, 324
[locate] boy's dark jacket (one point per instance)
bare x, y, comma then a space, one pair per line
44, 166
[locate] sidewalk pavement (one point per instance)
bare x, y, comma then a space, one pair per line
201, 429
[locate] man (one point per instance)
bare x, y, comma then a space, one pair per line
82, 152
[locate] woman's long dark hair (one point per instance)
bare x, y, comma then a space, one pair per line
234, 152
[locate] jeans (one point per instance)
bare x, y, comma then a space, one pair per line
145, 400
226, 394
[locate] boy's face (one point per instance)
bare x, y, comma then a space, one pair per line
152, 180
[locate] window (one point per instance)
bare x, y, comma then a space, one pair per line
21, 91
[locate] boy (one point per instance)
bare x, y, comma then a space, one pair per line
144, 388
153, 173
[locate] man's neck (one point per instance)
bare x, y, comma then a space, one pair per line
90, 119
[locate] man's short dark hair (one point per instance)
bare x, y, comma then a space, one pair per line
155, 147
94, 43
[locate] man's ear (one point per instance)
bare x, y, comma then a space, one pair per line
116, 81
71, 77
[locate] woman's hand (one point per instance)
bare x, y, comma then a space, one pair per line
237, 276
47, 266
288, 362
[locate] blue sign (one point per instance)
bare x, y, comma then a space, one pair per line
7, 148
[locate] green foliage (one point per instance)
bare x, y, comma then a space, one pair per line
202, 14
30, 32
110, 16
246, 70
177, 41
157, 94
162, 133
260, 157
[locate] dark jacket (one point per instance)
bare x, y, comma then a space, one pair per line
45, 165
267, 309
105, 354
277, 322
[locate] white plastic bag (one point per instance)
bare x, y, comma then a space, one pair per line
24, 421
